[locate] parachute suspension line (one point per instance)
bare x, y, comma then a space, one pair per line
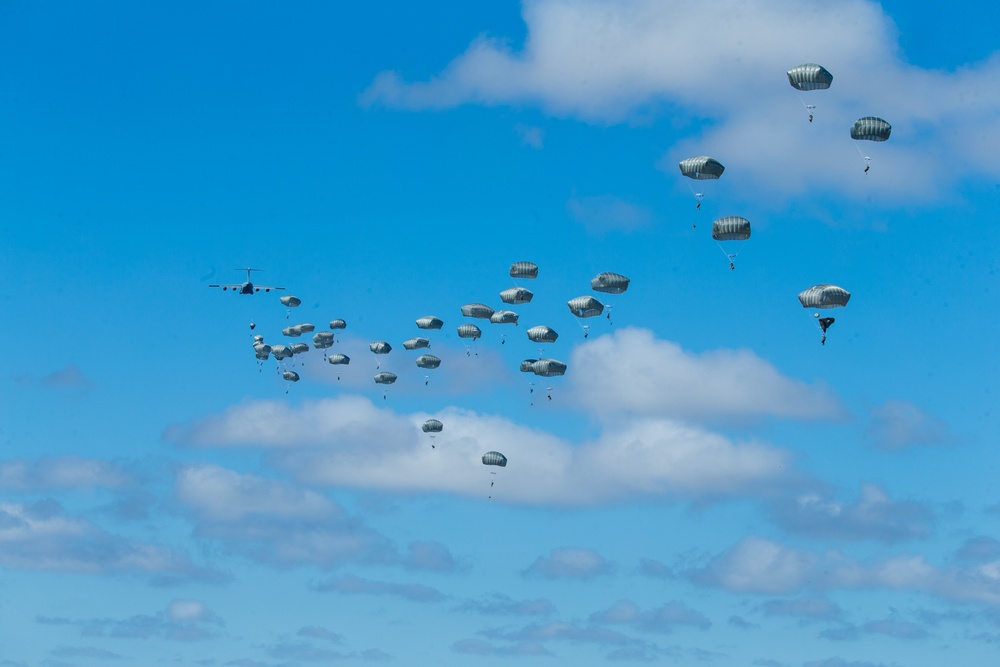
697, 195
809, 108
731, 256
868, 160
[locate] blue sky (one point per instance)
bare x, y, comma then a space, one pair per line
708, 484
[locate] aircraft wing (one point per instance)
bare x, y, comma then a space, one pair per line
236, 286
265, 288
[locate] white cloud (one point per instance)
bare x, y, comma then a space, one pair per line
66, 472
359, 586
663, 619
606, 61
40, 537
900, 424
632, 371
347, 441
875, 516
758, 565
570, 563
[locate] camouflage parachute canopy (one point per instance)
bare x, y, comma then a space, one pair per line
338, 324
731, 228
516, 295
339, 359
548, 368
612, 283
323, 340
291, 376
385, 378
479, 310
290, 301
523, 270
809, 76
504, 317
415, 343
701, 168
432, 426
585, 306
542, 334
870, 128
428, 361
824, 296
380, 347
429, 322
494, 459
469, 331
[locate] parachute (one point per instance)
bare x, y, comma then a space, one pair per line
291, 376
415, 343
548, 368
504, 317
809, 76
385, 378
516, 295
291, 301
281, 352
528, 365
432, 426
523, 270
585, 306
323, 340
429, 322
728, 229
339, 359
542, 334
824, 296
494, 459
870, 128
299, 348
338, 324
701, 168
477, 310
380, 347
469, 331
261, 350
292, 332
612, 283
428, 361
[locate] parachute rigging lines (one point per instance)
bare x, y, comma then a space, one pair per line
728, 230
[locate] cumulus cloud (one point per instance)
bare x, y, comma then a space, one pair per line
350, 584
604, 62
347, 441
41, 537
570, 563
875, 516
758, 565
182, 620
607, 213
484, 648
64, 472
633, 372
901, 424
277, 523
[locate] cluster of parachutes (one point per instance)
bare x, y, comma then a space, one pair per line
730, 232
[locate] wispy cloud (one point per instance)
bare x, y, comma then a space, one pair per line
570, 563
182, 620
66, 472
602, 214
350, 584
900, 424
662, 619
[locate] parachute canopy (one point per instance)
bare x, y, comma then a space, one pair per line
548, 368
428, 361
299, 348
870, 128
292, 331
585, 306
504, 317
528, 365
824, 296
380, 347
701, 168
469, 331
810, 76
432, 426
429, 322
385, 378
338, 324
523, 270
477, 310
516, 295
323, 340
339, 359
612, 283
290, 301
281, 352
542, 334
291, 376
494, 459
414, 343
731, 228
